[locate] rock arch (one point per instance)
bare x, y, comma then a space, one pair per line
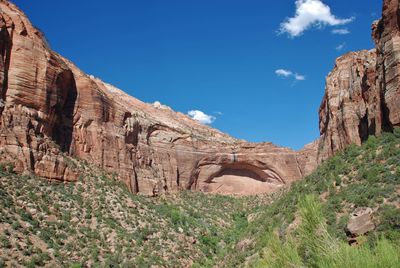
238, 178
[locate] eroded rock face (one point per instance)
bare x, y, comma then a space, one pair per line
362, 95
350, 110
49, 109
36, 86
386, 34
248, 169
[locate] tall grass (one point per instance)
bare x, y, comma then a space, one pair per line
312, 246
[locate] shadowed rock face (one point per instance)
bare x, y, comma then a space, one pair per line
5, 48
362, 94
49, 109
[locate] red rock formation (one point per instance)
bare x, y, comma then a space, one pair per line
362, 95
308, 157
49, 109
386, 34
36, 86
350, 110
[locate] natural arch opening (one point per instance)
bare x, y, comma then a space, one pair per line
243, 179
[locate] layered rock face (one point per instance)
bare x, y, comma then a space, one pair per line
362, 94
386, 34
350, 110
36, 92
49, 109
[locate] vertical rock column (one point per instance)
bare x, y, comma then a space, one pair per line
386, 34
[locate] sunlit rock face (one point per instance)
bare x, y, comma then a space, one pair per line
350, 110
242, 179
362, 94
386, 34
50, 109
252, 168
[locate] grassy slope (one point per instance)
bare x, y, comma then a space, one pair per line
311, 245
97, 221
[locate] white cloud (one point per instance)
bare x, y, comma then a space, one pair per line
299, 77
310, 13
201, 117
340, 31
283, 73
341, 46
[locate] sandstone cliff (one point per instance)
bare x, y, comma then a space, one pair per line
350, 110
386, 34
49, 109
362, 94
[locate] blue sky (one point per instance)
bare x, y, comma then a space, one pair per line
221, 57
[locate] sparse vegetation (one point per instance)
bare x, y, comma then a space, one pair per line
97, 221
357, 177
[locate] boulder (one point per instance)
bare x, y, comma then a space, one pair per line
360, 223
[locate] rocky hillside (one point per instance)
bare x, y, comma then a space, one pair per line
49, 107
98, 222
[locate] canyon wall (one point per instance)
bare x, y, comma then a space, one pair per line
386, 34
362, 95
49, 109
350, 110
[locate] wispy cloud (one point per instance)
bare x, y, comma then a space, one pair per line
341, 46
283, 73
341, 31
202, 117
310, 13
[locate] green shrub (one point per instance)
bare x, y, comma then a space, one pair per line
277, 254
389, 222
5, 242
7, 168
